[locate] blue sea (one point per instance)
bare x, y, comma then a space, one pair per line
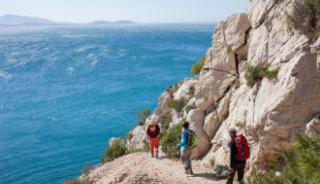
64, 91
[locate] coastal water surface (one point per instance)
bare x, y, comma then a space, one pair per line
64, 91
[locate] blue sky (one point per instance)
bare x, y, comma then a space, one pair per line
145, 11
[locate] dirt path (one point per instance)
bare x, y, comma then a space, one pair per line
140, 168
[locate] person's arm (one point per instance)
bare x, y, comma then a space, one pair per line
158, 132
233, 153
148, 131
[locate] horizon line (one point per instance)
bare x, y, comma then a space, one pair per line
112, 21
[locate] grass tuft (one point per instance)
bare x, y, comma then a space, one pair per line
196, 68
114, 151
177, 104
299, 164
254, 74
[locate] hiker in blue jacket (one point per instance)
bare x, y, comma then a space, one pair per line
185, 148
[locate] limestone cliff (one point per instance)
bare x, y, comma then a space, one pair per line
280, 34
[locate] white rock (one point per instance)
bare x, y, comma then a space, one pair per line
313, 127
214, 119
235, 30
186, 90
220, 69
258, 10
138, 138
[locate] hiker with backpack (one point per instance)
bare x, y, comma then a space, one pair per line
153, 132
185, 148
239, 154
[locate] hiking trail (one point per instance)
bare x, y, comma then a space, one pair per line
140, 168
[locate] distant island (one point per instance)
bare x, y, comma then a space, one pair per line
17, 20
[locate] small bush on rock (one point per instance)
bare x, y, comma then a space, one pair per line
240, 125
191, 91
165, 121
177, 104
170, 140
254, 74
196, 68
114, 151
313, 6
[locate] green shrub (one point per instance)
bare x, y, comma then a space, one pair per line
240, 125
170, 140
191, 91
196, 68
165, 121
114, 151
313, 6
229, 50
177, 104
254, 74
142, 115
299, 164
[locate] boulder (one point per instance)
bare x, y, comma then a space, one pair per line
195, 118
235, 30
217, 115
162, 106
313, 126
138, 138
186, 90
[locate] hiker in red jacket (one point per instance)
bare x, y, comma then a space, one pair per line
239, 154
153, 132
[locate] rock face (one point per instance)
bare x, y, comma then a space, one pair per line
272, 111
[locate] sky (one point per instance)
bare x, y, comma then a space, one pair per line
143, 11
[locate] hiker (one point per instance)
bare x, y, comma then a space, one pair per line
153, 132
239, 154
185, 148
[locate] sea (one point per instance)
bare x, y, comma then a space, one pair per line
65, 90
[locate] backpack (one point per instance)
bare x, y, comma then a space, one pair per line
243, 150
190, 138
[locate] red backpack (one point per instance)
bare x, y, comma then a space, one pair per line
243, 150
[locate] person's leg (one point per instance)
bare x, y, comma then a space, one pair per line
156, 147
183, 158
189, 160
241, 172
231, 177
151, 147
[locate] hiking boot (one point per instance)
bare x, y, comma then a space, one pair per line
157, 156
188, 171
